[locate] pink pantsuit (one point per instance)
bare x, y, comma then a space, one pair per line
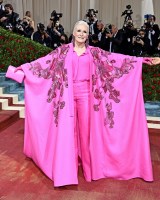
110, 133
81, 93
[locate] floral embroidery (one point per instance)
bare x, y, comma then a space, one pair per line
103, 79
48, 61
109, 116
58, 74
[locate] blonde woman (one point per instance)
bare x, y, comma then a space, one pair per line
29, 18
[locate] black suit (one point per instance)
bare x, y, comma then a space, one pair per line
154, 34
113, 44
1, 10
11, 20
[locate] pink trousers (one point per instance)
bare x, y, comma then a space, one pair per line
81, 91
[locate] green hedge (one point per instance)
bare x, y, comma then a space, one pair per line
16, 50
151, 82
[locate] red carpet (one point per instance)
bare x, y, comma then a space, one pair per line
20, 179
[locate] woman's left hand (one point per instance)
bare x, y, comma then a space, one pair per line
155, 61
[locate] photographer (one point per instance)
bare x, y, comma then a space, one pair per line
152, 32
157, 51
140, 44
28, 14
113, 39
24, 27
64, 39
55, 29
100, 28
41, 36
95, 41
8, 18
1, 8
129, 31
91, 19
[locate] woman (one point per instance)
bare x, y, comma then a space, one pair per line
64, 39
29, 18
86, 103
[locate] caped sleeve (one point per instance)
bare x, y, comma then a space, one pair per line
13, 73
110, 71
46, 62
119, 62
114, 65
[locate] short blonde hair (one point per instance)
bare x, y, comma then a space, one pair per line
81, 22
27, 18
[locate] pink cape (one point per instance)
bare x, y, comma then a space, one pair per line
121, 152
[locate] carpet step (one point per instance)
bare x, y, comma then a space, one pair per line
11, 101
5, 105
8, 117
153, 123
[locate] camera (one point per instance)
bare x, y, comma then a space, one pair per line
9, 26
128, 24
128, 7
128, 12
107, 29
91, 12
149, 25
55, 16
19, 24
138, 38
41, 27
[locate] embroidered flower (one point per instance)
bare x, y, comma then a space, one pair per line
48, 61
106, 72
58, 74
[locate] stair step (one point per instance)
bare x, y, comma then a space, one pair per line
15, 128
8, 117
4, 105
11, 102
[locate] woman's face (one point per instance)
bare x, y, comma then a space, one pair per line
81, 33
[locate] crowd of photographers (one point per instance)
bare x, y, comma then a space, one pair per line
52, 36
128, 40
